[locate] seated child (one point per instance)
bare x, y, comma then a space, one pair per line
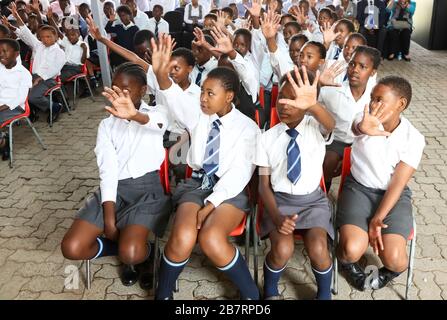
130, 202
335, 37
15, 82
375, 204
158, 25
290, 183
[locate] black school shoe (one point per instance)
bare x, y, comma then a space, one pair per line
57, 108
385, 277
354, 275
129, 275
4, 151
146, 270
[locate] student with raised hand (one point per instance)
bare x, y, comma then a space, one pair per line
374, 207
290, 157
213, 202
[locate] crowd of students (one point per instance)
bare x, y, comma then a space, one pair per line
329, 98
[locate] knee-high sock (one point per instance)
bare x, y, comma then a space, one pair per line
271, 278
324, 280
237, 271
168, 274
106, 247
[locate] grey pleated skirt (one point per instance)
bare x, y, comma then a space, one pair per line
188, 191
313, 209
140, 201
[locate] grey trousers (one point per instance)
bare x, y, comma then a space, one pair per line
36, 96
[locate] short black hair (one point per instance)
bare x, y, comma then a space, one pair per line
287, 15
310, 75
244, 33
229, 11
211, 16
84, 5
400, 86
185, 54
228, 77
299, 37
124, 9
11, 43
319, 45
141, 36
293, 24
347, 23
5, 30
373, 53
209, 39
46, 27
215, 11
157, 6
327, 11
357, 36
132, 70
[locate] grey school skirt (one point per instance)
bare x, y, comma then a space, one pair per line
188, 191
140, 201
313, 209
358, 204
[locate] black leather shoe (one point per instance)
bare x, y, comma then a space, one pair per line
354, 275
385, 276
5, 150
146, 271
129, 275
33, 117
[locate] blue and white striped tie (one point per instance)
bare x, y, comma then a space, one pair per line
293, 157
337, 52
211, 158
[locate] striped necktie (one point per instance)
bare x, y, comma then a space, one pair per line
156, 29
199, 75
337, 52
293, 157
211, 157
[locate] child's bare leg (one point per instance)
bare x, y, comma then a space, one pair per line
282, 247
133, 247
90, 69
330, 164
315, 242
80, 242
213, 239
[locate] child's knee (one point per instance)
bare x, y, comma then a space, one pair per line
394, 259
133, 252
281, 252
351, 250
318, 251
211, 239
182, 241
72, 249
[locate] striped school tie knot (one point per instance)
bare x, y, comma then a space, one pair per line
211, 158
293, 157
337, 52
199, 75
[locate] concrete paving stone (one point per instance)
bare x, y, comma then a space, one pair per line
27, 295
186, 290
97, 290
212, 290
11, 289
428, 289
118, 288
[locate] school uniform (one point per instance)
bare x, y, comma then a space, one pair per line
14, 86
334, 51
316, 34
73, 57
231, 163
304, 197
129, 156
343, 76
47, 64
158, 27
168, 5
373, 163
124, 38
199, 73
281, 62
93, 56
343, 107
141, 20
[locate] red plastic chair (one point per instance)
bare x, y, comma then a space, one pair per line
261, 96
345, 171
50, 91
274, 119
84, 76
164, 179
10, 123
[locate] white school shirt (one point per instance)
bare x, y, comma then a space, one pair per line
281, 62
248, 74
47, 61
332, 50
209, 65
14, 85
168, 5
152, 82
126, 149
320, 5
188, 98
238, 135
271, 152
143, 5
343, 107
374, 159
316, 35
163, 26
342, 77
141, 20
73, 52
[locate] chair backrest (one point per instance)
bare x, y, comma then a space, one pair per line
274, 119
22, 115
261, 96
164, 173
175, 20
345, 167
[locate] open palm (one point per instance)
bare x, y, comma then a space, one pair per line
370, 124
305, 92
122, 105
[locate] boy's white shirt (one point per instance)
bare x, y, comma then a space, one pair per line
14, 85
73, 52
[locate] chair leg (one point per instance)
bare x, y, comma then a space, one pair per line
411, 262
334, 254
36, 134
65, 101
10, 144
156, 264
247, 239
74, 93
255, 248
89, 88
87, 273
51, 108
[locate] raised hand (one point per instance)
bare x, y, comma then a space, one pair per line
298, 14
6, 23
247, 24
199, 38
122, 105
224, 44
328, 75
93, 28
255, 9
34, 6
161, 56
370, 124
305, 93
221, 20
329, 33
270, 24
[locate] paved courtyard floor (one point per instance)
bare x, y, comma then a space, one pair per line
40, 195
